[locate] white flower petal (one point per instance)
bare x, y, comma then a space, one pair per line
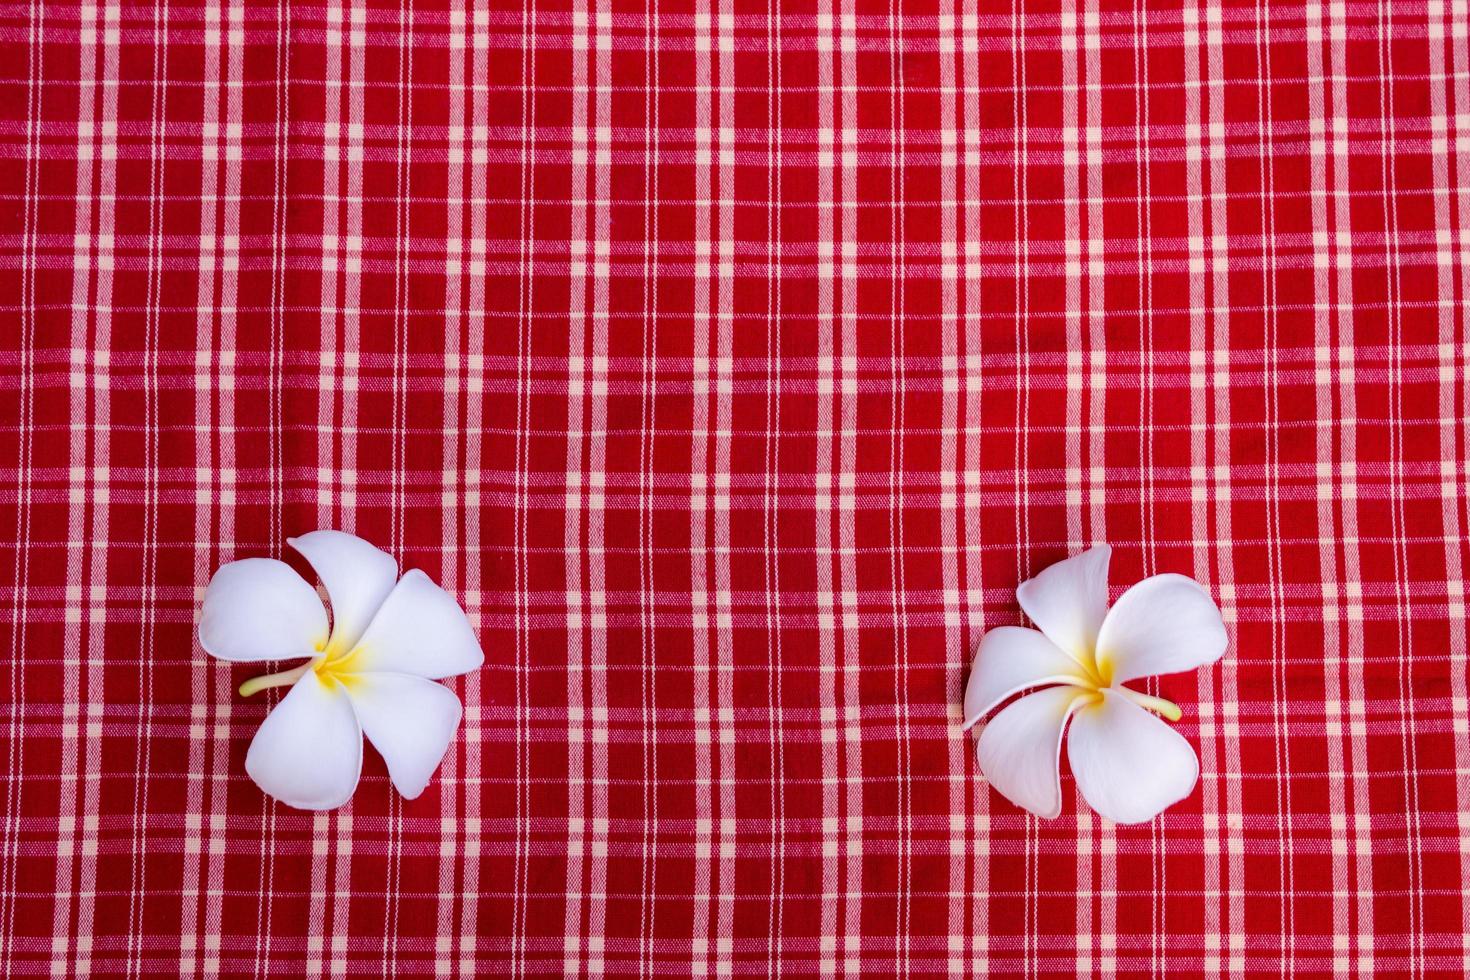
420, 630
1020, 749
409, 720
357, 575
260, 609
1068, 601
1162, 625
1129, 764
1011, 659
308, 752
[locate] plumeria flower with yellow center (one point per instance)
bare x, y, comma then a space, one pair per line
372, 669
1128, 764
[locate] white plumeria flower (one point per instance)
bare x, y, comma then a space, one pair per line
1128, 764
371, 673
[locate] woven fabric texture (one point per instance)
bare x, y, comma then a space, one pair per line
733, 364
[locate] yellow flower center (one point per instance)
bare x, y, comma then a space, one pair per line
1099, 675
332, 663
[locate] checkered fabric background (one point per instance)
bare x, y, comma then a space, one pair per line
733, 363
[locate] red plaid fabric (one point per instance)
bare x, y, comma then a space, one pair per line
733, 364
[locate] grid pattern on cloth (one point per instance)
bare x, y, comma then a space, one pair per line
733, 364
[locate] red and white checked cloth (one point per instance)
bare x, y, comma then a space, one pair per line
733, 364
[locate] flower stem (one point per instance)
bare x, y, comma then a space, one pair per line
1168, 709
261, 683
